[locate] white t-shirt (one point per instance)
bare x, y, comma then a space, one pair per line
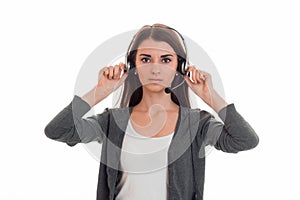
144, 166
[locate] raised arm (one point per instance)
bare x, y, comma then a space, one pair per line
70, 127
233, 135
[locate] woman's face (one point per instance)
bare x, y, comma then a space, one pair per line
156, 64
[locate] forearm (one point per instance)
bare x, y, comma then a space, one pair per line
216, 102
89, 97
94, 96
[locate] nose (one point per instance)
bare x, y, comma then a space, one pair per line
155, 69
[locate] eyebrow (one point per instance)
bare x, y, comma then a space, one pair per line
162, 56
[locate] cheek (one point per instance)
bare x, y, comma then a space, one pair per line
143, 70
169, 74
169, 70
137, 63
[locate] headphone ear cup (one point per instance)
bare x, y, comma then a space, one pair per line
127, 64
129, 61
182, 67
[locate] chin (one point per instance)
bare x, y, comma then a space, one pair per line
154, 88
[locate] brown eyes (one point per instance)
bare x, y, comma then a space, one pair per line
145, 60
166, 60
148, 60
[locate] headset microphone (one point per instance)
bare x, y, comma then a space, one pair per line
169, 89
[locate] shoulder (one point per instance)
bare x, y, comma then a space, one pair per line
116, 109
107, 112
201, 119
116, 113
196, 116
198, 112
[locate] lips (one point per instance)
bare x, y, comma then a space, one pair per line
154, 79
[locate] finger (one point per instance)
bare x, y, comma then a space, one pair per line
103, 72
122, 67
111, 72
190, 68
188, 81
205, 75
121, 80
124, 76
116, 72
198, 76
194, 73
202, 76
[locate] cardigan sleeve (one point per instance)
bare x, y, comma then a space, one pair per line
233, 135
70, 127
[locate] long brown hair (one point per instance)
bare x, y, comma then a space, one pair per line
133, 91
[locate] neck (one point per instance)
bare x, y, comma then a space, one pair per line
160, 99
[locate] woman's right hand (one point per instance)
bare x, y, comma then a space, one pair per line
109, 79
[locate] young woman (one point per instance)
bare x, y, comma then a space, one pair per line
153, 145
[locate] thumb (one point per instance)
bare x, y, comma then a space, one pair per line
121, 80
124, 76
188, 80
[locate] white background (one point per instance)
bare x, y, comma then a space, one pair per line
254, 45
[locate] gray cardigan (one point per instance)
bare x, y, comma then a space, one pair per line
194, 130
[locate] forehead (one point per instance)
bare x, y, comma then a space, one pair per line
153, 46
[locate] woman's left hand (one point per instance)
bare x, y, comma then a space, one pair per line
202, 86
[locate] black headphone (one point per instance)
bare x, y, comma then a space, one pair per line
182, 63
